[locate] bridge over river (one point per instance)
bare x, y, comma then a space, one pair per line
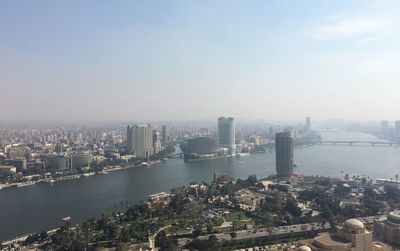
359, 142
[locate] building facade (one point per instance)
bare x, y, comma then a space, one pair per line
351, 236
284, 154
140, 140
389, 230
164, 137
384, 126
226, 133
57, 163
308, 124
157, 147
81, 160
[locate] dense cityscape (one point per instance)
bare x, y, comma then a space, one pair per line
285, 211
199, 125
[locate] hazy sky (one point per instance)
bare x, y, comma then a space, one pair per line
138, 60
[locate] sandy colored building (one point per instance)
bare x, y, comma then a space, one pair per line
389, 230
351, 236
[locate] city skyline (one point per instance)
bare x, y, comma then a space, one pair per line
96, 61
200, 125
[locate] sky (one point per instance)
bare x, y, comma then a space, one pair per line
177, 60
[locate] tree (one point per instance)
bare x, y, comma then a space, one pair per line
209, 228
292, 208
252, 179
121, 247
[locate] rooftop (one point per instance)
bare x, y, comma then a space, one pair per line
354, 224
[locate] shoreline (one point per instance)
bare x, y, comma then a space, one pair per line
69, 177
51, 231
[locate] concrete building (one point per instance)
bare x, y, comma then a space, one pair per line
308, 124
202, 145
284, 154
19, 163
389, 230
384, 126
57, 163
140, 140
81, 160
164, 136
351, 236
8, 170
156, 141
226, 133
397, 128
15, 152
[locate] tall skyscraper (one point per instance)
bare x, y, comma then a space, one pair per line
397, 127
129, 137
140, 140
156, 141
308, 124
226, 133
384, 126
284, 154
164, 135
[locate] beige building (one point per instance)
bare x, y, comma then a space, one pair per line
8, 170
351, 236
389, 230
140, 140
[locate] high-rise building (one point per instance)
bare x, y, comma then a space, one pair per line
271, 132
308, 124
397, 127
156, 141
58, 162
129, 139
226, 133
81, 160
384, 126
140, 140
284, 154
164, 136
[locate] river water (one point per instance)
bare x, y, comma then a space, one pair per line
41, 207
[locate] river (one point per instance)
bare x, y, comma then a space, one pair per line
41, 206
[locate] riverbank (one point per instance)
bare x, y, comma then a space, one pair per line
106, 170
43, 205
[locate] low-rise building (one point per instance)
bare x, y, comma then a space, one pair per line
8, 170
389, 230
351, 236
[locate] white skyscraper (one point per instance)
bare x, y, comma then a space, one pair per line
140, 140
226, 133
308, 124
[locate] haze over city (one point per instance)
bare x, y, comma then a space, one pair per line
166, 60
237, 125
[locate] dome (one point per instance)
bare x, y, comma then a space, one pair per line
394, 217
354, 224
304, 248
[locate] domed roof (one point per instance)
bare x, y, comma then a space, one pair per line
354, 224
304, 248
394, 215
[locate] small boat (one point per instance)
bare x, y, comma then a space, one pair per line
24, 184
145, 164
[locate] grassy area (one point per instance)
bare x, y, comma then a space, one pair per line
235, 216
237, 225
